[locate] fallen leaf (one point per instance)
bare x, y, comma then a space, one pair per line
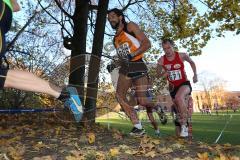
147, 146
40, 145
43, 158
124, 147
177, 146
31, 133
72, 158
142, 150
222, 157
151, 154
58, 130
100, 156
234, 158
155, 141
114, 152
75, 155
181, 141
91, 138
238, 146
218, 147
203, 146
16, 153
132, 152
4, 142
117, 136
82, 139
4, 156
14, 139
165, 150
227, 145
203, 156
6, 131
145, 139
185, 158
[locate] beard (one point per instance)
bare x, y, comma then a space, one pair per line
115, 25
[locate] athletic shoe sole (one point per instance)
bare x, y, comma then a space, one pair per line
75, 104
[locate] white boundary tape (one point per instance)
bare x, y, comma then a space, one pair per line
227, 122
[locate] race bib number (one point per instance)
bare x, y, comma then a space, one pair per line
174, 75
123, 50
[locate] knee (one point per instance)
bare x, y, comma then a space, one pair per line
179, 99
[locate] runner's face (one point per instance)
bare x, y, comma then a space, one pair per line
168, 49
114, 20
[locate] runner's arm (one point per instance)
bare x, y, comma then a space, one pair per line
145, 44
192, 64
161, 72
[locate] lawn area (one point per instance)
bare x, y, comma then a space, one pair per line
206, 128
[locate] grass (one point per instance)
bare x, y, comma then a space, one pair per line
206, 128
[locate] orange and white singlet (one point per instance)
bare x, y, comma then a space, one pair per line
127, 43
175, 70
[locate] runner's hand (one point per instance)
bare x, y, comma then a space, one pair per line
195, 78
111, 67
123, 58
131, 56
127, 57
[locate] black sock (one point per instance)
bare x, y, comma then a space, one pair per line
64, 95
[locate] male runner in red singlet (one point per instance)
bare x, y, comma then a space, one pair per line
172, 66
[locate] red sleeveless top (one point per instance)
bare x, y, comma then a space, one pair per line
175, 70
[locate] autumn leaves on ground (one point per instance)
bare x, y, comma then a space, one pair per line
50, 137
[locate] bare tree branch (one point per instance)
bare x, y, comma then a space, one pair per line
63, 10
206, 5
131, 3
91, 22
109, 34
62, 26
21, 31
92, 7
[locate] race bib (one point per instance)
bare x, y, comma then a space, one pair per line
123, 50
174, 75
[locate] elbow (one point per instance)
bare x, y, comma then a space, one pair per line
192, 63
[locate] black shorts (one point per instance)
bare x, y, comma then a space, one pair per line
134, 70
174, 92
5, 24
3, 73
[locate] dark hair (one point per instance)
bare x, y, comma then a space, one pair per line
168, 40
118, 12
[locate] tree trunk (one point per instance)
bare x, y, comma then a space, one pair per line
94, 65
77, 62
